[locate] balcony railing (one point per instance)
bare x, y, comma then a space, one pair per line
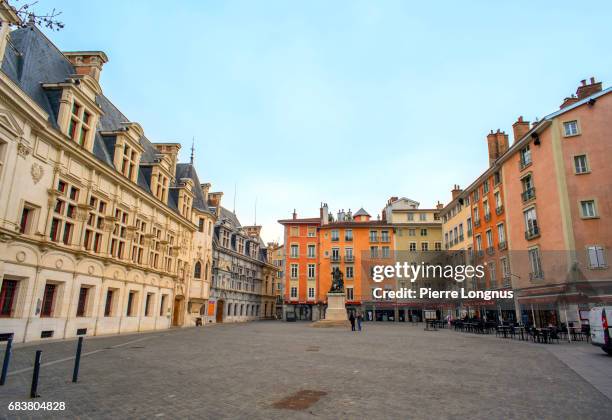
502, 245
536, 275
532, 233
499, 210
528, 194
335, 258
490, 250
373, 238
487, 217
335, 238
523, 163
477, 222
349, 258
348, 238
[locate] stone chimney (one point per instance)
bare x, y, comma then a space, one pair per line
498, 145
294, 214
205, 188
589, 89
439, 206
520, 128
568, 101
455, 191
214, 200
171, 150
87, 62
324, 213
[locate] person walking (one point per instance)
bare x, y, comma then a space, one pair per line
359, 321
352, 319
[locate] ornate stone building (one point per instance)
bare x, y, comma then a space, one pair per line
101, 231
243, 277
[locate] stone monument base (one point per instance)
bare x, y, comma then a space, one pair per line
335, 315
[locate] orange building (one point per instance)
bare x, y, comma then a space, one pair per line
301, 241
558, 181
489, 229
316, 246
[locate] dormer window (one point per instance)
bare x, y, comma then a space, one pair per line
129, 162
79, 127
161, 192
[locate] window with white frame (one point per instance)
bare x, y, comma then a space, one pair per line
386, 253
489, 238
422, 217
311, 251
312, 232
294, 271
531, 221
597, 257
118, 236
311, 293
335, 235
349, 271
410, 217
295, 251
505, 269
311, 271
411, 232
588, 208
424, 246
350, 295
535, 263
412, 246
580, 164
293, 292
570, 128
525, 156
373, 252
501, 233
423, 232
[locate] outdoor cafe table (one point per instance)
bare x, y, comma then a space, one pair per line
505, 330
521, 330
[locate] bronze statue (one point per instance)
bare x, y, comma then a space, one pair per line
337, 281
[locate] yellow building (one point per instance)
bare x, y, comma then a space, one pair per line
277, 256
457, 222
415, 229
101, 231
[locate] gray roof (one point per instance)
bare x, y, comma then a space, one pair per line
361, 212
230, 216
31, 59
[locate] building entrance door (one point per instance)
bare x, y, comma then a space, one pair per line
220, 305
178, 311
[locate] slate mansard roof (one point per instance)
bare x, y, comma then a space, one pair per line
31, 59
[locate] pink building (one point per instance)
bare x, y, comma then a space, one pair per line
557, 179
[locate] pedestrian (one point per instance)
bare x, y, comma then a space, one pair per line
352, 319
359, 321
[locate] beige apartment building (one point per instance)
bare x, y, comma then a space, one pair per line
101, 230
416, 229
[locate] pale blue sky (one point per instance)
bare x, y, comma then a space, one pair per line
348, 102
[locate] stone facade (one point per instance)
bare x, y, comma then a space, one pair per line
242, 285
101, 231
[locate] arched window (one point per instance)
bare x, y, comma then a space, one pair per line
197, 271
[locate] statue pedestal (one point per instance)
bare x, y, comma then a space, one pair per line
335, 315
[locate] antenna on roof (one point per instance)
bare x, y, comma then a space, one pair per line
192, 148
234, 211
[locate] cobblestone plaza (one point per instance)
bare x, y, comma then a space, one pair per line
290, 370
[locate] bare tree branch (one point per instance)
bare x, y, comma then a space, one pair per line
29, 16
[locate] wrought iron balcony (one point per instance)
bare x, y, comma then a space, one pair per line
335, 258
490, 250
528, 194
537, 275
523, 163
532, 233
502, 245
349, 258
